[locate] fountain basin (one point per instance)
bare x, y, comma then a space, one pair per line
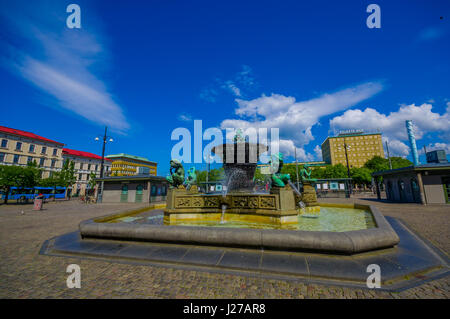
347, 242
276, 208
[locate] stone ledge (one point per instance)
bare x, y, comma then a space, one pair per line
350, 242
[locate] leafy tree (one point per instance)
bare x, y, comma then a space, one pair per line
66, 177
398, 162
335, 171
361, 175
92, 182
292, 171
318, 173
17, 176
377, 163
51, 181
215, 175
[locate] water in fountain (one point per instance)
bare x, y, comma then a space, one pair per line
239, 163
222, 217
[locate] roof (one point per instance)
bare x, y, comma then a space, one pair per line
30, 135
132, 177
422, 167
350, 135
139, 158
68, 151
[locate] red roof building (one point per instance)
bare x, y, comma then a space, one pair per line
8, 130
67, 151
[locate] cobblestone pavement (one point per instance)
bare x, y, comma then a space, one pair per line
26, 274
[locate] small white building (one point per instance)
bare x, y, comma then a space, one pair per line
85, 164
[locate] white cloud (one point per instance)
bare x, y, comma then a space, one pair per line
229, 85
242, 80
436, 146
185, 117
393, 125
296, 119
318, 152
60, 61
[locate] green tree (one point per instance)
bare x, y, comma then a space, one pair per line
215, 175
335, 171
51, 181
318, 173
17, 176
361, 175
398, 162
291, 170
91, 181
66, 177
377, 163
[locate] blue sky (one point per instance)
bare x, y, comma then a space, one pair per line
145, 68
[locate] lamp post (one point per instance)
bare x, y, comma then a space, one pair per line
347, 147
105, 139
296, 167
389, 157
208, 166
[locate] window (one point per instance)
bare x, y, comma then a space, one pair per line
55, 151
89, 167
31, 150
96, 167
30, 159
16, 159
4, 142
41, 161
80, 176
44, 150
125, 189
18, 146
53, 162
2, 157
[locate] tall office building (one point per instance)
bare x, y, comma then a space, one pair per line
360, 148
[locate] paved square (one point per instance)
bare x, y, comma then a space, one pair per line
26, 274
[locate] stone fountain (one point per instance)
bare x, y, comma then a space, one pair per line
281, 206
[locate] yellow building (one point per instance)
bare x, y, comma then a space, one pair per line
128, 165
19, 147
360, 148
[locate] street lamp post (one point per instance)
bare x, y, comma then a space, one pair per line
296, 167
105, 140
347, 147
207, 177
389, 156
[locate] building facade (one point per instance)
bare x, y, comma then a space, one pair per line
437, 156
19, 147
360, 148
129, 165
425, 183
85, 164
134, 189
